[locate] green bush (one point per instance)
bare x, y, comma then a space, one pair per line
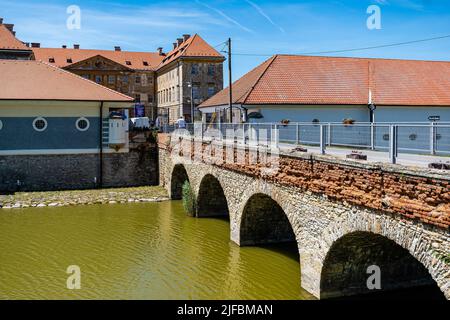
189, 202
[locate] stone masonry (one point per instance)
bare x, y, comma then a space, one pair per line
69, 172
328, 203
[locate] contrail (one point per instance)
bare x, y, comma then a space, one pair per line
220, 12
265, 15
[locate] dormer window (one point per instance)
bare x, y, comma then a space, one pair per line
128, 63
51, 60
69, 60
145, 63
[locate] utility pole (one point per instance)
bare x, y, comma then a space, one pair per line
230, 81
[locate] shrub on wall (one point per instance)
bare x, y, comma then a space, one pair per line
189, 202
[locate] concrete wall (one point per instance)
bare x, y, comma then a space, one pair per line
411, 114
79, 171
307, 114
325, 200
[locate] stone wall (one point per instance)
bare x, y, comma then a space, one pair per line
69, 172
324, 201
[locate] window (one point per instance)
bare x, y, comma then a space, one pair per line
128, 63
150, 98
195, 69
51, 60
196, 92
145, 63
82, 124
125, 79
98, 79
111, 79
137, 79
137, 98
1, 125
39, 124
86, 76
69, 60
211, 70
211, 91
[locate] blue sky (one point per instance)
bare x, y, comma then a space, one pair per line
258, 27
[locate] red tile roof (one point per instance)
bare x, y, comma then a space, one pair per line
8, 41
285, 79
194, 47
33, 80
61, 56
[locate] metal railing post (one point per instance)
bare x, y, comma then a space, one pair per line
329, 134
275, 136
433, 138
322, 139
372, 136
393, 141
297, 134
243, 134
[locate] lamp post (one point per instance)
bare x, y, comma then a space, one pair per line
191, 86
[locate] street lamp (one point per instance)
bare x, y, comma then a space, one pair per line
190, 85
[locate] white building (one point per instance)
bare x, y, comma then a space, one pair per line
289, 88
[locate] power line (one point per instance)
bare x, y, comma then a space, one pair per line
350, 50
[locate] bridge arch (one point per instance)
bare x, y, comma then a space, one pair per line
264, 221
211, 199
345, 269
178, 177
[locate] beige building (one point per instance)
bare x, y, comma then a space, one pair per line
192, 68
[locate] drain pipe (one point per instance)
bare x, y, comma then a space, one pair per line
100, 179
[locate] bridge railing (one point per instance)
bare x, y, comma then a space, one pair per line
410, 138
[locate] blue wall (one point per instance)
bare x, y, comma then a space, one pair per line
61, 133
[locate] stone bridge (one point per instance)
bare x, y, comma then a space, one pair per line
344, 216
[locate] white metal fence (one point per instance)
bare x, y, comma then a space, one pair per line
395, 138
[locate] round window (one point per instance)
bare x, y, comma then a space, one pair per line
40, 124
82, 124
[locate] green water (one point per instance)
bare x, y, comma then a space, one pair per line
137, 251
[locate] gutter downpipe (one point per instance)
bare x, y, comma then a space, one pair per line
100, 180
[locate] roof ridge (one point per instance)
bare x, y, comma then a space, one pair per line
358, 58
247, 94
79, 77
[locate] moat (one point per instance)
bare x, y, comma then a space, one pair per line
137, 251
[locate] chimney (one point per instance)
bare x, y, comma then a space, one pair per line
9, 26
35, 45
175, 45
180, 41
117, 48
76, 46
160, 51
64, 46
186, 36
